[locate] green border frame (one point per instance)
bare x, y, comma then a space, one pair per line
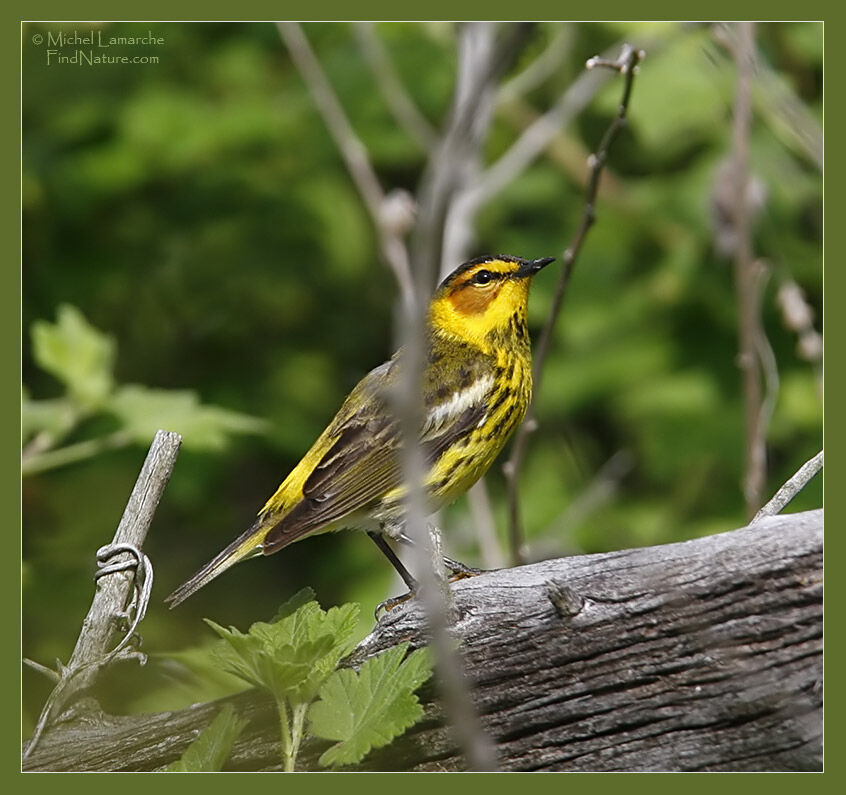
154, 9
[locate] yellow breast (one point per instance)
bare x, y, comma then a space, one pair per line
464, 463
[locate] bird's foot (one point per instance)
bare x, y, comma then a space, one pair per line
460, 571
390, 604
457, 571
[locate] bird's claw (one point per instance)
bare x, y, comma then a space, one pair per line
390, 604
460, 571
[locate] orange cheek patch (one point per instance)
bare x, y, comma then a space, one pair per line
471, 301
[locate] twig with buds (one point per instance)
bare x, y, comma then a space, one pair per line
627, 65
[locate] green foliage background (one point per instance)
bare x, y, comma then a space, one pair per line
197, 211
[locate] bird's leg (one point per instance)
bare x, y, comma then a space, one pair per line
457, 569
389, 553
390, 604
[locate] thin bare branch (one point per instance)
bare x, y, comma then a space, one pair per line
778, 103
447, 234
117, 581
35, 460
598, 492
485, 525
541, 68
798, 317
789, 490
529, 145
765, 353
443, 235
473, 188
749, 323
399, 102
540, 134
451, 164
627, 65
483, 58
353, 152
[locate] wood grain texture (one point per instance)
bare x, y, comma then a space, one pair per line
701, 655
112, 593
97, 647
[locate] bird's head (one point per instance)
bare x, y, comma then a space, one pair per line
484, 299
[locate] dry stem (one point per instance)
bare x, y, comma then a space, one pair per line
112, 596
627, 65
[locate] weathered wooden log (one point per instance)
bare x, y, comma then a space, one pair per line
701, 655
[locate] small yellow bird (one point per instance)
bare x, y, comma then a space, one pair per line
477, 386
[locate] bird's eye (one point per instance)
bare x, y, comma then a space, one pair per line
482, 277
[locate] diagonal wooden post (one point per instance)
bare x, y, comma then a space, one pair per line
115, 584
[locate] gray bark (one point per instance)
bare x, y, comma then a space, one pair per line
112, 605
113, 592
701, 655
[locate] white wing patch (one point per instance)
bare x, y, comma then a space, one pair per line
458, 403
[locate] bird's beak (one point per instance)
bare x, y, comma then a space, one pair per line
532, 266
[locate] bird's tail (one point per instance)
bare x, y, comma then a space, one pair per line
247, 545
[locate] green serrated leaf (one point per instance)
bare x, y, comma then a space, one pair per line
300, 598
341, 623
292, 656
77, 354
265, 660
142, 411
210, 750
368, 709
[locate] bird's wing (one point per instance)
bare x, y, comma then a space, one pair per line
363, 462
353, 463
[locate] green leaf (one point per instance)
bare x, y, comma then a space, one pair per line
77, 354
302, 621
209, 752
293, 655
368, 709
143, 411
298, 600
263, 660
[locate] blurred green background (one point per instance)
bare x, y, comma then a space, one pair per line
196, 212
